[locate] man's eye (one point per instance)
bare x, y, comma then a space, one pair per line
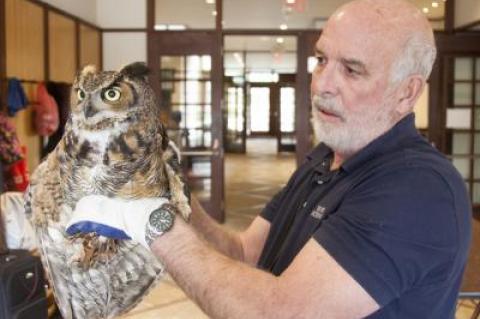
321, 60
351, 71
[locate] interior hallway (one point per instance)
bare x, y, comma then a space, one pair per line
251, 180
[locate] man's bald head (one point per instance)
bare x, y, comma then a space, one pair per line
403, 29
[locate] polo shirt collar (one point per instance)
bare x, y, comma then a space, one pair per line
319, 155
404, 130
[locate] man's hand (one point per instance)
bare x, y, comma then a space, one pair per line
116, 218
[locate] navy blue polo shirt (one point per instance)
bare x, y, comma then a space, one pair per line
396, 216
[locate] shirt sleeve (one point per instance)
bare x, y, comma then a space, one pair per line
394, 232
272, 206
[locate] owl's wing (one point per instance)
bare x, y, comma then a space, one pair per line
43, 206
104, 290
179, 191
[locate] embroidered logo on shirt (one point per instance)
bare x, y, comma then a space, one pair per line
318, 212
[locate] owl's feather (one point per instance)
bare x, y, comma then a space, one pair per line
113, 148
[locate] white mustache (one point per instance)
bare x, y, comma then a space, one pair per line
327, 105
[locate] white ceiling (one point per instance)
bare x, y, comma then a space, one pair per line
264, 14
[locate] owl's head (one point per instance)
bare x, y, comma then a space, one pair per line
107, 99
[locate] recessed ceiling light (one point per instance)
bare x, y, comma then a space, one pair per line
210, 1
425, 10
283, 26
280, 40
214, 13
435, 4
290, 1
176, 27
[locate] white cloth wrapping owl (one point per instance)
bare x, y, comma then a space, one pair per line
114, 218
114, 145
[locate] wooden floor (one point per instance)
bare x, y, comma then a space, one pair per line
251, 180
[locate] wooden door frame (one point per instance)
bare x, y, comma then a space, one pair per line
305, 48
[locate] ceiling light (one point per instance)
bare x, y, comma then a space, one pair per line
160, 27
176, 27
214, 13
210, 1
291, 1
283, 26
435, 4
425, 10
280, 40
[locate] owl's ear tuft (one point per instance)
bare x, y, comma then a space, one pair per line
88, 69
135, 70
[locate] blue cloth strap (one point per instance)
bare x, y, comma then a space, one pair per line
100, 229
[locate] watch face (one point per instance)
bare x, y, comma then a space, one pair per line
159, 222
161, 219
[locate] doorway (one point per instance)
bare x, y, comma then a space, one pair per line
190, 93
259, 92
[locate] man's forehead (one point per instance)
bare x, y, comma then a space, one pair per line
350, 41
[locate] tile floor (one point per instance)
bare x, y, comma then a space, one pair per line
250, 181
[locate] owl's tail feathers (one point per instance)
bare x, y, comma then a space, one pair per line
54, 275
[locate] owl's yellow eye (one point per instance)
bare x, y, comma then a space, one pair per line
81, 95
112, 94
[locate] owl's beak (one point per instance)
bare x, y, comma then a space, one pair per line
89, 110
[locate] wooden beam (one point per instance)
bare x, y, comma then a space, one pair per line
305, 48
436, 107
276, 32
218, 178
153, 60
450, 16
468, 26
458, 43
150, 15
302, 125
77, 45
3, 57
100, 49
125, 30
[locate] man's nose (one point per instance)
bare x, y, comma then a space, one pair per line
325, 81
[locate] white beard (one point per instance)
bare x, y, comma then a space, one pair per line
355, 130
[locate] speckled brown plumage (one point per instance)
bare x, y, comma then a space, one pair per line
113, 145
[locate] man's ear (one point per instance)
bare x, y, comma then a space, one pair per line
408, 93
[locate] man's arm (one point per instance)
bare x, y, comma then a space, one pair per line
245, 246
313, 286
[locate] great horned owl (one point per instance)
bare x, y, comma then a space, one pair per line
114, 145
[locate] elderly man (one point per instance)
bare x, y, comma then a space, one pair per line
375, 223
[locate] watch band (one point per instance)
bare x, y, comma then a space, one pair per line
160, 221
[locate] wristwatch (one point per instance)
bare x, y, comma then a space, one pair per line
160, 221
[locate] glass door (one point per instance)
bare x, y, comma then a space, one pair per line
190, 93
235, 116
463, 121
258, 112
286, 114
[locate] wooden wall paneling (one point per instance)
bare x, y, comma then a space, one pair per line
3, 58
25, 60
62, 48
24, 40
89, 50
